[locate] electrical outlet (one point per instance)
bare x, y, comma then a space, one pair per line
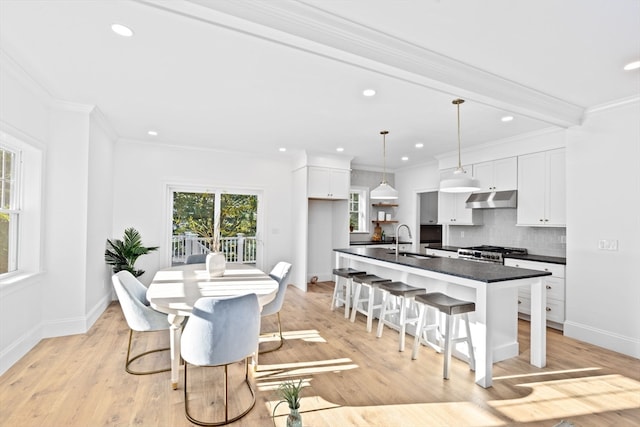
462, 234
563, 239
608, 245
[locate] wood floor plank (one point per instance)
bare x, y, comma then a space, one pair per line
351, 378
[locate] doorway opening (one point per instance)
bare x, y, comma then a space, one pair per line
205, 221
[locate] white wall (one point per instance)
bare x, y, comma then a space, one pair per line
23, 114
143, 171
603, 202
64, 288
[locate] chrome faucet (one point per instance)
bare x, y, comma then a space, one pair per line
398, 235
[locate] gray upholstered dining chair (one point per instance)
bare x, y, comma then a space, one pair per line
221, 332
139, 315
280, 273
196, 259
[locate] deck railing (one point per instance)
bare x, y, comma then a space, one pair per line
241, 249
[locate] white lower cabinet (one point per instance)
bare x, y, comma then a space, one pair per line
441, 253
555, 285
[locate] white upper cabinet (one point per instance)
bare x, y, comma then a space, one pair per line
542, 189
328, 183
452, 207
497, 175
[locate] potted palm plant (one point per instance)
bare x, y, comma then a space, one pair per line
122, 254
289, 392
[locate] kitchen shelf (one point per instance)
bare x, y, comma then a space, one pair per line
385, 222
384, 205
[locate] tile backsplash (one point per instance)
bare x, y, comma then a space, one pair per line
500, 229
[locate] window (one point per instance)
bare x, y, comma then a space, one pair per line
205, 220
358, 212
9, 209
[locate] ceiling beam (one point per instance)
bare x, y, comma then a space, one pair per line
304, 27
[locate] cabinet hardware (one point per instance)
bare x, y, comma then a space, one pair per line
519, 302
548, 309
548, 287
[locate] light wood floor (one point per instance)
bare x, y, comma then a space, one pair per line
351, 378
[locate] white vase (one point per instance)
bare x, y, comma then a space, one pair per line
216, 263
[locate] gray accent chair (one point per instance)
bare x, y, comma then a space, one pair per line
196, 259
139, 315
280, 273
221, 332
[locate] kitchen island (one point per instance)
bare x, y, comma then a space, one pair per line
493, 288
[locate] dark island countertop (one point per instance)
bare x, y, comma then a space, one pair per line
479, 271
385, 242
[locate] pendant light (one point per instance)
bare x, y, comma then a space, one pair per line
458, 181
384, 190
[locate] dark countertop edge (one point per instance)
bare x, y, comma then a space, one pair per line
451, 266
540, 258
444, 248
378, 243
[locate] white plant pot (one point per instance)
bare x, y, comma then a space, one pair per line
216, 264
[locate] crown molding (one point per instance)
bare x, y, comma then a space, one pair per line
75, 107
612, 105
8, 63
104, 124
302, 26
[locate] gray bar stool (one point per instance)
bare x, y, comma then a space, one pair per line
342, 288
404, 294
371, 282
453, 308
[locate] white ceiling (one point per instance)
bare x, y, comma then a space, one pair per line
256, 75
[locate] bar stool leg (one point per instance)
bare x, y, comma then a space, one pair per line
447, 348
383, 312
337, 289
403, 321
356, 301
419, 331
347, 298
472, 358
370, 305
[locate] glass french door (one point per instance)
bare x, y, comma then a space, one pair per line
204, 221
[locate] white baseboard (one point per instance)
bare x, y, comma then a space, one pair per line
57, 328
606, 339
14, 352
97, 310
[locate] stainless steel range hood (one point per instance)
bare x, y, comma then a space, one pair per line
493, 200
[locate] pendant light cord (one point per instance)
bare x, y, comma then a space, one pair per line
384, 155
458, 102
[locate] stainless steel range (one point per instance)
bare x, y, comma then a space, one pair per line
488, 253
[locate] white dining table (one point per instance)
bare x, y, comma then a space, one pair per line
175, 290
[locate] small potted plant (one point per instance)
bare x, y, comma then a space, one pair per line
289, 392
122, 254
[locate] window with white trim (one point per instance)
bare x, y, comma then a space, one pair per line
358, 212
9, 209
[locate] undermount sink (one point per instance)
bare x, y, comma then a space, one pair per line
410, 255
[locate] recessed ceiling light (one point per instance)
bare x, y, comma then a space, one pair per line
368, 92
339, 149
507, 118
122, 30
632, 66
282, 149
153, 133
419, 145
404, 158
